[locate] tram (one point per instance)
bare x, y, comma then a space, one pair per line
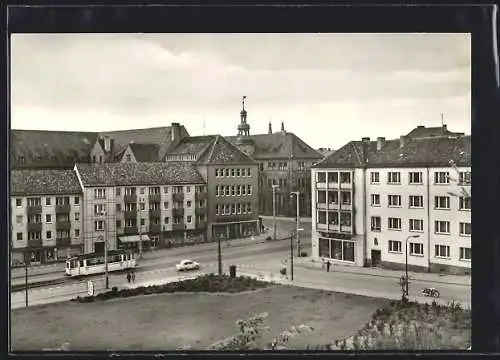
90, 264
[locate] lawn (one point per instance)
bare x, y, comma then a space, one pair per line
169, 321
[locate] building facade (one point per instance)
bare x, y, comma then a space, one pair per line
46, 215
410, 194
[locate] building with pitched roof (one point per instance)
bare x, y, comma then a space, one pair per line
232, 184
154, 203
376, 200
284, 160
46, 215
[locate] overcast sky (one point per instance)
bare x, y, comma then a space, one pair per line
327, 88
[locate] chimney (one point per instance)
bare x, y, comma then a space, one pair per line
365, 139
107, 143
380, 143
403, 141
270, 128
420, 127
111, 144
175, 130
444, 127
282, 126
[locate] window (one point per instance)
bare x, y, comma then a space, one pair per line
394, 246
465, 254
129, 158
416, 201
142, 190
243, 190
345, 197
248, 172
374, 177
34, 219
19, 202
19, 219
165, 204
441, 177
154, 206
34, 202
464, 178
394, 223
227, 172
345, 219
48, 218
232, 172
415, 177
216, 172
238, 190
142, 206
465, 203
442, 251
118, 207
249, 208
249, 189
322, 217
394, 200
77, 200
345, 178
416, 225
188, 189
118, 224
333, 218
118, 191
49, 234
376, 223
77, 216
34, 235
441, 227
166, 220
99, 225
62, 200
47, 201
228, 190
130, 222
189, 218
238, 172
442, 202
375, 199
130, 191
233, 190
19, 236
188, 204
233, 209
165, 189
100, 209
321, 177
333, 177
243, 172
99, 193
77, 232
394, 177
417, 249
217, 209
465, 229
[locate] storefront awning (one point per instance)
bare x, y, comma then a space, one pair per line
134, 238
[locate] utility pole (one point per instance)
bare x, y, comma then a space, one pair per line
219, 255
297, 193
140, 234
26, 257
291, 255
274, 210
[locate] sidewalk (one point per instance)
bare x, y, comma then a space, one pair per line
431, 277
283, 218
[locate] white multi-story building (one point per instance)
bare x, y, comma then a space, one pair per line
46, 215
375, 200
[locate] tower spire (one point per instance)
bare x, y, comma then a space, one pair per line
243, 127
270, 131
282, 126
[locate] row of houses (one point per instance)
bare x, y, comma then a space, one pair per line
374, 202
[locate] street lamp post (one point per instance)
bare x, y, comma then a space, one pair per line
274, 210
140, 233
406, 262
297, 193
291, 251
106, 275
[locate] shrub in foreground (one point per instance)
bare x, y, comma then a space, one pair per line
203, 283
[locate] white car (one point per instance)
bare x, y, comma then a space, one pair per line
187, 265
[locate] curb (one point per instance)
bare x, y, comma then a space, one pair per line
333, 269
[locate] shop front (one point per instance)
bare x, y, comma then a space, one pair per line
340, 249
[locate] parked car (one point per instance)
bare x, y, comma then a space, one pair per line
187, 265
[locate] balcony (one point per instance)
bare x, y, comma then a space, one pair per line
155, 228
63, 209
154, 198
321, 185
333, 185
321, 205
155, 213
346, 185
130, 230
35, 243
35, 226
333, 227
333, 206
347, 207
178, 212
32, 210
200, 211
131, 198
63, 241
130, 214
201, 196
178, 226
63, 225
178, 197
346, 229
321, 226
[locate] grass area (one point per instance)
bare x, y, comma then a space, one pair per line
170, 321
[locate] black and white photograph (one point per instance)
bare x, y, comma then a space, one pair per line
240, 191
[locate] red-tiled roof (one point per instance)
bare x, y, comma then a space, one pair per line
153, 173
415, 153
280, 145
223, 152
44, 182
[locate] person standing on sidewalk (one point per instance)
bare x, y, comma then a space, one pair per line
129, 277
322, 264
133, 277
328, 266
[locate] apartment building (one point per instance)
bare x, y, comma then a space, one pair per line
409, 194
156, 204
46, 215
232, 184
284, 160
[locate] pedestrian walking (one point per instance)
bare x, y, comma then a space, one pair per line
133, 277
129, 277
328, 266
322, 264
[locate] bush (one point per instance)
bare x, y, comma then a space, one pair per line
205, 283
268, 238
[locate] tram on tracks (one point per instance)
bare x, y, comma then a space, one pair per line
91, 264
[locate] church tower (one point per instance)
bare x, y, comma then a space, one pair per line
243, 127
